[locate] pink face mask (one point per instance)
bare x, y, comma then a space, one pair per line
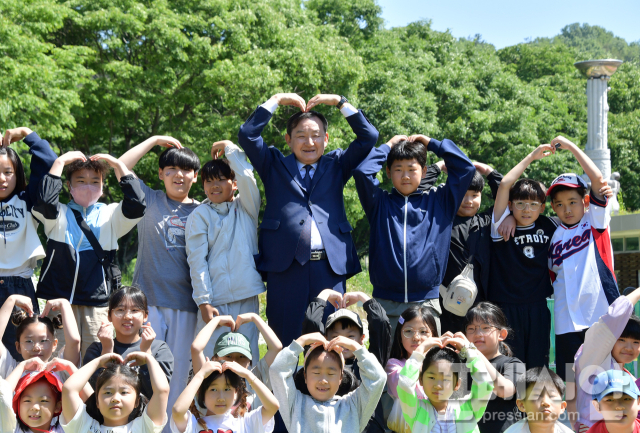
86, 195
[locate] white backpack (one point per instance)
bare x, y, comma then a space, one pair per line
461, 293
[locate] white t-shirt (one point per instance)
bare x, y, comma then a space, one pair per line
83, 423
7, 363
250, 423
8, 420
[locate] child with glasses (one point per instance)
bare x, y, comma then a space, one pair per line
128, 314
519, 281
487, 329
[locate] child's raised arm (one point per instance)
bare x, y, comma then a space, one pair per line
157, 407
6, 311
119, 168
591, 170
315, 311
182, 404
72, 339
131, 158
270, 404
203, 337
247, 188
502, 198
71, 399
274, 345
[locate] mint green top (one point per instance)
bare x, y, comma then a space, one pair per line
421, 415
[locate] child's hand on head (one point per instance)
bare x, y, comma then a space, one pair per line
308, 339
341, 343
482, 168
148, 335
353, 298
53, 305
166, 141
244, 318
74, 155
209, 367
24, 303
136, 358
397, 139
109, 357
217, 149
457, 341
428, 344
13, 135
420, 138
236, 368
331, 296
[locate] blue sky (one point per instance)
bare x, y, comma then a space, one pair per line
508, 22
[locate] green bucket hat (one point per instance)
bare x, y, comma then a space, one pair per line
232, 342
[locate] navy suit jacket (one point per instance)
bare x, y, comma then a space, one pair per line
289, 203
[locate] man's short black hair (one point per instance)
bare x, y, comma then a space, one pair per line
580, 190
300, 116
183, 158
408, 150
477, 183
216, 169
528, 189
632, 329
539, 375
344, 323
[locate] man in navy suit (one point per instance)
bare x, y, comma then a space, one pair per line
305, 243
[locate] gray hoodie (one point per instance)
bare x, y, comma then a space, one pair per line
349, 413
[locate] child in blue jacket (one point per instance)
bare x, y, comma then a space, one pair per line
410, 229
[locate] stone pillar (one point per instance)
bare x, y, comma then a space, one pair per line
597, 110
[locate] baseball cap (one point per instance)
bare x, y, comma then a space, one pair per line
611, 381
343, 313
571, 180
30, 378
232, 342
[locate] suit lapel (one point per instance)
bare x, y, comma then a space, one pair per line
292, 166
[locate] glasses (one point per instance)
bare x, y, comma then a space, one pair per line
409, 333
520, 205
121, 312
30, 344
484, 330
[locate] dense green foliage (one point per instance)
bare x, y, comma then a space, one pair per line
103, 75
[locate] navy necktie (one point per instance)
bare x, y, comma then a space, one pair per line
307, 178
303, 250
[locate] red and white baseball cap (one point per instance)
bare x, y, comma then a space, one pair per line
571, 180
31, 378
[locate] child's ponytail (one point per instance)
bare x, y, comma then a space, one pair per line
195, 412
241, 401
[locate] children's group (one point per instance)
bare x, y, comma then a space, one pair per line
455, 337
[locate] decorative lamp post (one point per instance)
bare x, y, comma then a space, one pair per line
598, 73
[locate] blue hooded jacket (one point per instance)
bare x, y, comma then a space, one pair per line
410, 235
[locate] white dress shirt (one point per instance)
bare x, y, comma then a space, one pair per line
346, 110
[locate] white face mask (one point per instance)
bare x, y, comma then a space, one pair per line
86, 195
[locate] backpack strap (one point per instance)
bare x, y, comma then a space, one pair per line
97, 248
